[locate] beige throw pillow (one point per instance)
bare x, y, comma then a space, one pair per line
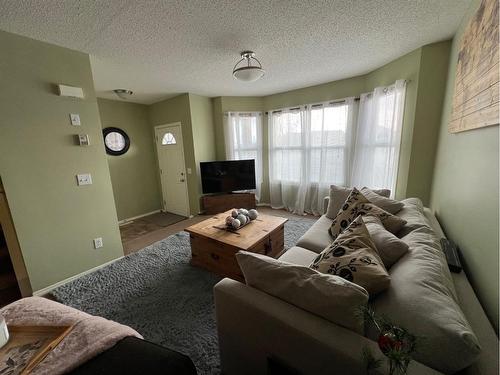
387, 204
357, 204
328, 296
354, 257
338, 195
389, 247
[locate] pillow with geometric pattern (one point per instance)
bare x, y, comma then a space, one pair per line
354, 257
357, 204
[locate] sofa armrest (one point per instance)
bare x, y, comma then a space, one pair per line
326, 200
255, 327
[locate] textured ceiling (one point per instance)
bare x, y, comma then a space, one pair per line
161, 48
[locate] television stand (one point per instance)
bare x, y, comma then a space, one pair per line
215, 204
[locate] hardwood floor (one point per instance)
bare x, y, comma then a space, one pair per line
150, 234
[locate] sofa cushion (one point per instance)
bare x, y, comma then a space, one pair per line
328, 296
339, 194
423, 300
298, 255
387, 204
413, 213
357, 204
317, 237
353, 256
389, 247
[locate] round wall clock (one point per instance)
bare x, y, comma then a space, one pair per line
116, 141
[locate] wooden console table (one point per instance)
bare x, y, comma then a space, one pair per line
214, 204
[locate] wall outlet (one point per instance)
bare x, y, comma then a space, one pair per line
84, 179
75, 119
98, 243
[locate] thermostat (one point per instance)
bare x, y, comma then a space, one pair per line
84, 139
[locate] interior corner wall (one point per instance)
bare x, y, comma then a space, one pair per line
177, 109
203, 132
464, 194
432, 79
55, 219
134, 175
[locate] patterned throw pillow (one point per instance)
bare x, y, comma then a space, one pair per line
357, 204
354, 257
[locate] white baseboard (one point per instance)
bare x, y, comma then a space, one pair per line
127, 220
43, 291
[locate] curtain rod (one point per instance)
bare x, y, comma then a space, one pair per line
244, 113
314, 105
357, 98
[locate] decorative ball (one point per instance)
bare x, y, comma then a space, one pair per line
244, 212
242, 218
234, 214
229, 220
253, 214
235, 223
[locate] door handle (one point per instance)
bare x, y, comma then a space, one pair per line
182, 180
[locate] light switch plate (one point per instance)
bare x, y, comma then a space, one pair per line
189, 171
84, 179
98, 243
75, 119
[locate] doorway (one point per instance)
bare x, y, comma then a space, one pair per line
170, 150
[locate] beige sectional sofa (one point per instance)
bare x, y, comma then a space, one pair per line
256, 328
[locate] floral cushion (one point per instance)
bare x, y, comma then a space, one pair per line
357, 204
354, 257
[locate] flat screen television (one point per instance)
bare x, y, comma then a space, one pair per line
227, 176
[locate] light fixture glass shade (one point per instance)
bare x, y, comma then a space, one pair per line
248, 73
123, 93
250, 69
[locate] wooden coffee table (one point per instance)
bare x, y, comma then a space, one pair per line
214, 249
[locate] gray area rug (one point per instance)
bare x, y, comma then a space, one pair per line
156, 292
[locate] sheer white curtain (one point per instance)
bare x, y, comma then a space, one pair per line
309, 149
378, 139
243, 136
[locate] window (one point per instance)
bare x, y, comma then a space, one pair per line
308, 151
314, 146
379, 136
168, 139
116, 141
243, 136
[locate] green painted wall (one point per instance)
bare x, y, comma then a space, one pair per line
134, 175
465, 193
424, 69
203, 131
55, 219
315, 94
429, 107
172, 110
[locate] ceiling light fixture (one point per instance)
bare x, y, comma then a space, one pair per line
123, 93
248, 72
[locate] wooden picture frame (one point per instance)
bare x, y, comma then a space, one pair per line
476, 96
28, 346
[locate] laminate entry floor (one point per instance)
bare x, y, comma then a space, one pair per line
146, 230
137, 228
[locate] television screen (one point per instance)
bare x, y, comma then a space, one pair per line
227, 176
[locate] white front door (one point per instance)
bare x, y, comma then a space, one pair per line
172, 169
